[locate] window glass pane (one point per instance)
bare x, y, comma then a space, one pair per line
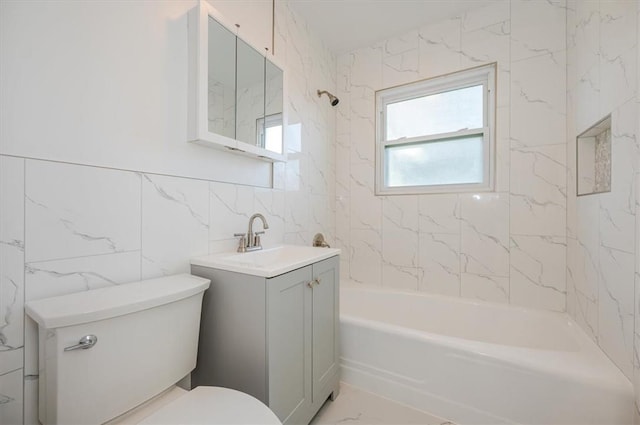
438, 113
453, 161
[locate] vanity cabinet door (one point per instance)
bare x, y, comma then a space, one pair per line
325, 324
289, 345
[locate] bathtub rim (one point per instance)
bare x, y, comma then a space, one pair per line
588, 363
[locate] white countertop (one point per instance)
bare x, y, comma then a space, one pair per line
268, 262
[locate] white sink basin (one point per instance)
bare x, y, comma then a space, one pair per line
267, 262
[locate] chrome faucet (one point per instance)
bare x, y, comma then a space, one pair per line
251, 240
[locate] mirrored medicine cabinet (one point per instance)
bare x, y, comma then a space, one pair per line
235, 92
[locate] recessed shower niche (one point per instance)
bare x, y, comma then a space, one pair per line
593, 154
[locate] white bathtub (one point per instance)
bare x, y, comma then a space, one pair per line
478, 363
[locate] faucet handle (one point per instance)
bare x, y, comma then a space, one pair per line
242, 244
256, 238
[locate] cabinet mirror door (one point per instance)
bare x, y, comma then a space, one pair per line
250, 93
221, 112
271, 137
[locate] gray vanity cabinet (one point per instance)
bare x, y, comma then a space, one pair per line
274, 338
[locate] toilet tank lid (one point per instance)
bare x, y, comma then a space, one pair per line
112, 301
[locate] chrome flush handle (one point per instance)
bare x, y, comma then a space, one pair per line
85, 342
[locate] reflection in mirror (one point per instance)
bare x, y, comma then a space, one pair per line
272, 131
250, 98
221, 80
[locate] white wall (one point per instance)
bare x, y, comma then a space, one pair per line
104, 83
97, 183
504, 246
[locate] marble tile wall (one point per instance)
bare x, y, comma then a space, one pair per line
506, 246
72, 227
601, 229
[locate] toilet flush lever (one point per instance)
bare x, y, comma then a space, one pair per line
85, 342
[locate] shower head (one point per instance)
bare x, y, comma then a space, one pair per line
334, 100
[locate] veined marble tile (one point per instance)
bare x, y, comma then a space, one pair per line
11, 359
11, 398
439, 263
366, 68
343, 165
587, 266
362, 128
440, 48
538, 191
618, 79
175, 224
343, 224
404, 43
272, 204
298, 238
485, 287
439, 213
486, 45
224, 245
366, 208
503, 149
615, 307
400, 230
570, 276
319, 170
230, 207
366, 256
538, 272
320, 216
495, 12
586, 312
11, 261
485, 234
296, 173
59, 277
399, 277
538, 105
618, 207
297, 210
401, 68
587, 99
75, 211
587, 34
527, 17
343, 80
616, 225
618, 20
11, 297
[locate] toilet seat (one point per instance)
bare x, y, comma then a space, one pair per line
213, 405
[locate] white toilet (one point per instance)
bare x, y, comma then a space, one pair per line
115, 354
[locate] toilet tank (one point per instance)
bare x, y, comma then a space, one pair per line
147, 340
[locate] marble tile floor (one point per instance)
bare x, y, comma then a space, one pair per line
356, 406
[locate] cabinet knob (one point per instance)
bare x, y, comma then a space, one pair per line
316, 281
310, 284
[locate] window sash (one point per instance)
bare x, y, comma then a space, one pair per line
483, 75
441, 188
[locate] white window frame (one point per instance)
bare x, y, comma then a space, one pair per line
483, 75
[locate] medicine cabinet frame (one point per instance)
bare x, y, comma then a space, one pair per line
198, 88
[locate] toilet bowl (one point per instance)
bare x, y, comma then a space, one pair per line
113, 355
